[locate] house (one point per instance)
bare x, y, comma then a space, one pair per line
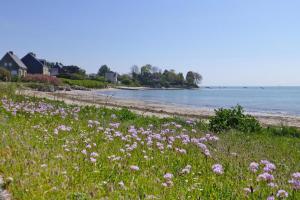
56, 69
35, 65
111, 77
13, 64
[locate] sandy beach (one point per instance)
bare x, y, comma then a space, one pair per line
80, 97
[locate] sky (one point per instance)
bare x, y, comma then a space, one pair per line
229, 42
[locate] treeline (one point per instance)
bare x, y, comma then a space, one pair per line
151, 76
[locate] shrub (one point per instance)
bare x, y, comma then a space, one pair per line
73, 76
39, 78
40, 87
125, 114
234, 118
4, 74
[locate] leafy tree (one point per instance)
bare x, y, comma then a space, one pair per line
73, 69
146, 69
103, 69
4, 74
197, 78
190, 79
135, 69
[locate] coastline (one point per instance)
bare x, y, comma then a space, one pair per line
80, 97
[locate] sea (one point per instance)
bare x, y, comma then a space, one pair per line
272, 100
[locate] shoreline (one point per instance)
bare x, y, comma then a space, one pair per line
92, 97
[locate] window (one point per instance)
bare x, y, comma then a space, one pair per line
5, 64
14, 72
10, 64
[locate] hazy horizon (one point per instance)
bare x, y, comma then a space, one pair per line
231, 43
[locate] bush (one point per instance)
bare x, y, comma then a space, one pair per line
125, 114
40, 86
73, 76
39, 78
234, 118
4, 74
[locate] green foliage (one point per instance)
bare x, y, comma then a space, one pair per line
234, 118
102, 70
152, 76
4, 74
73, 76
77, 196
193, 78
8, 89
40, 86
284, 131
85, 83
125, 114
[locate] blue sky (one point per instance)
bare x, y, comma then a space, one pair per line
230, 42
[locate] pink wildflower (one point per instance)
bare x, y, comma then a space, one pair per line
253, 167
218, 169
282, 194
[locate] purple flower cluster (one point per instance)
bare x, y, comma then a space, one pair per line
295, 181
218, 169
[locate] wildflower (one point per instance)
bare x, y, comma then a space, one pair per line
168, 176
84, 152
272, 185
218, 169
134, 168
168, 183
265, 177
271, 198
93, 160
295, 181
253, 167
186, 170
5, 195
269, 167
282, 194
94, 154
247, 191
121, 184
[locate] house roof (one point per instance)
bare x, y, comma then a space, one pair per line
42, 62
17, 60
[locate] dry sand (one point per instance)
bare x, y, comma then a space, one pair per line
79, 97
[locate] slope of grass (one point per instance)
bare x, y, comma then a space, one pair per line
85, 83
57, 151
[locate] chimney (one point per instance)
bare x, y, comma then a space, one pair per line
33, 54
11, 52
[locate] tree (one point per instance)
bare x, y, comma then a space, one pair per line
103, 69
4, 74
135, 69
197, 78
146, 69
190, 79
193, 78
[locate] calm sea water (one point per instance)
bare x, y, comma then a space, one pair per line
279, 100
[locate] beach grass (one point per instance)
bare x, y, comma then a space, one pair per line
58, 151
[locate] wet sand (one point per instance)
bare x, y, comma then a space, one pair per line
92, 97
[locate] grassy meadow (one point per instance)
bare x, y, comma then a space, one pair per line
50, 150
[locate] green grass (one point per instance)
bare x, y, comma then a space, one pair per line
85, 83
49, 166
